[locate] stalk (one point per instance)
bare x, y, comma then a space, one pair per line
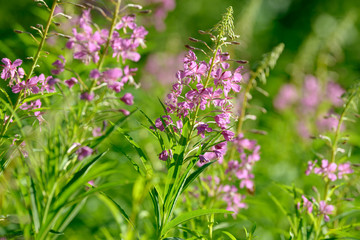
333, 154
36, 58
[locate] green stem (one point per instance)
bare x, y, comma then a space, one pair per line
243, 112
218, 45
36, 58
112, 29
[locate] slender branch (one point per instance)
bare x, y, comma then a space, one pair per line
36, 58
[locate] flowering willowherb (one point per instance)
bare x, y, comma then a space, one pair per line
86, 43
286, 97
321, 208
59, 65
309, 103
128, 99
12, 70
307, 204
325, 209
165, 155
331, 171
71, 82
84, 152
233, 199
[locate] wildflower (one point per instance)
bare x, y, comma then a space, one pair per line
312, 93
233, 199
334, 92
343, 169
71, 82
159, 124
327, 170
307, 204
203, 159
202, 128
164, 155
59, 65
97, 132
11, 69
128, 99
87, 96
83, 152
125, 112
310, 167
286, 97
228, 135
325, 209
222, 120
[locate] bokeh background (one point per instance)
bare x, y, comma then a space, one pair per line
321, 39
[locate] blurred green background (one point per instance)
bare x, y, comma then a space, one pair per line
320, 36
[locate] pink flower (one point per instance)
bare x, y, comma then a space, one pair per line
202, 128
310, 167
222, 120
59, 65
308, 205
128, 99
11, 69
334, 92
311, 93
97, 132
343, 169
71, 82
286, 97
83, 152
327, 170
125, 112
164, 155
325, 209
228, 135
87, 96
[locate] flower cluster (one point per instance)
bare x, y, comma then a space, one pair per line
331, 171
204, 89
228, 193
87, 43
249, 152
308, 103
37, 84
322, 207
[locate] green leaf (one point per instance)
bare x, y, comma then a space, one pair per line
195, 174
34, 209
135, 165
39, 96
190, 215
70, 187
95, 142
56, 232
115, 208
155, 200
144, 159
229, 235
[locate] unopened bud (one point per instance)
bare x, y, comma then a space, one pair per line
189, 47
194, 39
203, 32
235, 43
147, 11
18, 31
241, 61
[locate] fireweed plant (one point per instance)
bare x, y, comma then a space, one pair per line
326, 212
50, 132
196, 129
